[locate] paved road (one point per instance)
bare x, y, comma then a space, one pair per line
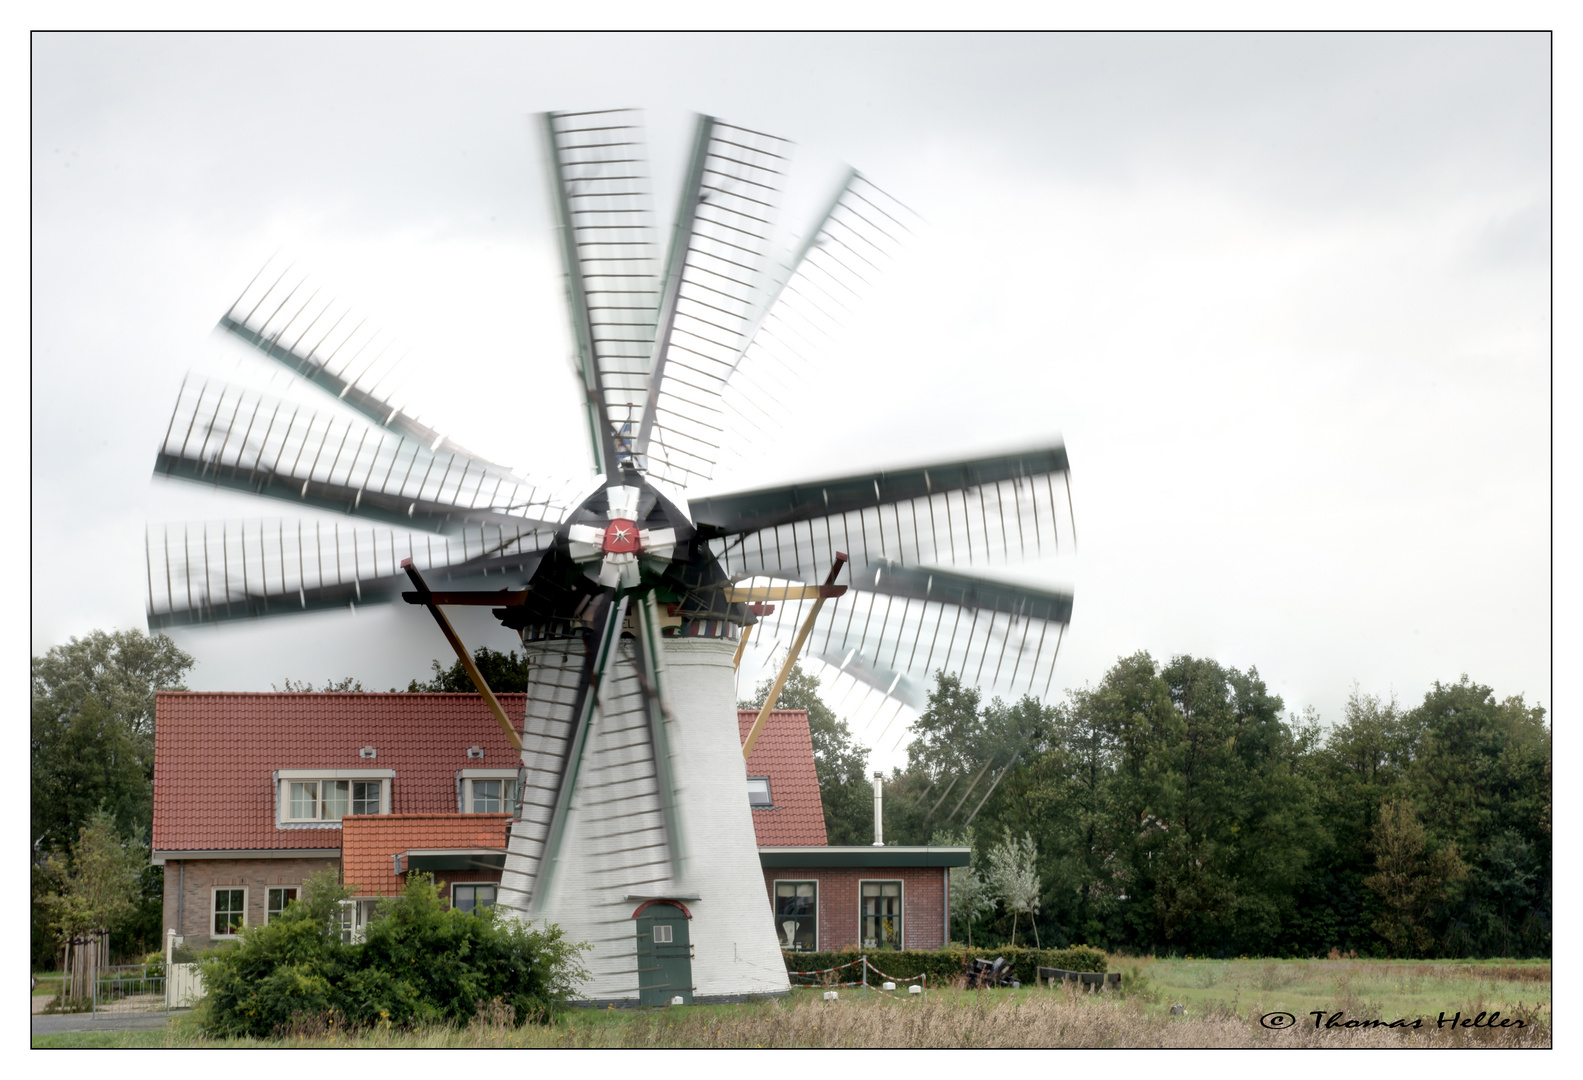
49, 1025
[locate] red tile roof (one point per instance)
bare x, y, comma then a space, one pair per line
368, 842
784, 753
214, 755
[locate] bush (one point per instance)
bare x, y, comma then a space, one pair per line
945, 965
420, 963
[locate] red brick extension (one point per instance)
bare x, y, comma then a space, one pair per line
923, 902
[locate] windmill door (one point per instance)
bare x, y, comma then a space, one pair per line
665, 956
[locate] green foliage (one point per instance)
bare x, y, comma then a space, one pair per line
99, 885
1014, 878
420, 963
944, 966
91, 748
347, 685
505, 672
840, 760
1176, 808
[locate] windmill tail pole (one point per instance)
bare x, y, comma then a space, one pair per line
830, 588
426, 598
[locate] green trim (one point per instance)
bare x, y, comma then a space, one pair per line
843, 857
473, 860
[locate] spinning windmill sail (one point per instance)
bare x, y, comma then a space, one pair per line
626, 592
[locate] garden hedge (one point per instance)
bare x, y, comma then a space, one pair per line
944, 966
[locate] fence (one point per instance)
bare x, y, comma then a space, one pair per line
864, 966
129, 988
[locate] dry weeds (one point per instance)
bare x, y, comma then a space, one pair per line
1054, 1019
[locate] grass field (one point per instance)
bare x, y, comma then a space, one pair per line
1224, 1001
1364, 989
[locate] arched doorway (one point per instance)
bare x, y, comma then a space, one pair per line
665, 953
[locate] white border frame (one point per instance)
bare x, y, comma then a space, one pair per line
769, 786
214, 890
901, 899
818, 887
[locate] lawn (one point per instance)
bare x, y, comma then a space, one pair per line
1224, 1001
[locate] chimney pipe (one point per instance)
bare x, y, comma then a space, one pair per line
879, 817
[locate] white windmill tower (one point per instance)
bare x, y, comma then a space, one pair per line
634, 831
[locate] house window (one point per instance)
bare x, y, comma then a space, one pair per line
230, 911
278, 899
662, 934
759, 791
494, 796
797, 915
881, 914
331, 800
472, 897
487, 791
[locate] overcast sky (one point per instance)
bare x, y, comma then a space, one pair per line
1285, 298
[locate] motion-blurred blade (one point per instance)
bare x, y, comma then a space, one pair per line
330, 348
715, 279
980, 511
215, 572
237, 439
600, 182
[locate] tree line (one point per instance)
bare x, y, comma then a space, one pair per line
1175, 808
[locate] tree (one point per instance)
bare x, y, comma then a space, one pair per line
1409, 879
505, 672
1014, 878
92, 731
94, 890
347, 685
840, 760
970, 895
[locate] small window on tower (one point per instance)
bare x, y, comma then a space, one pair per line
759, 791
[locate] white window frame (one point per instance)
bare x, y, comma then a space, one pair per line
817, 900
474, 884
901, 903
464, 787
284, 778
214, 894
769, 789
297, 889
362, 909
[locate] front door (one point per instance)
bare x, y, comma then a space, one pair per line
665, 956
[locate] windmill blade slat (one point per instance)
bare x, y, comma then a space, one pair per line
713, 278
209, 573
247, 442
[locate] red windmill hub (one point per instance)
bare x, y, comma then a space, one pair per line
621, 537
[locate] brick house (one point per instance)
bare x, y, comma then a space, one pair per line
255, 792
824, 897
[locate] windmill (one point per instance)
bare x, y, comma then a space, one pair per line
630, 596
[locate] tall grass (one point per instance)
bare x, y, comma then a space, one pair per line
947, 1018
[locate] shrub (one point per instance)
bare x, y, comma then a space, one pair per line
420, 963
945, 965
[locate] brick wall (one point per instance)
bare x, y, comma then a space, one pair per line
258, 876
922, 902
196, 887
